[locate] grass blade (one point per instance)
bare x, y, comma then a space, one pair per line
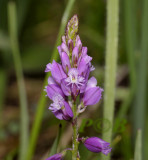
141, 93
111, 65
24, 131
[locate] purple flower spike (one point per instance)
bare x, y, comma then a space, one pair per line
95, 144
69, 80
57, 156
92, 96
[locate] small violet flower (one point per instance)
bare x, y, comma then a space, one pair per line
57, 156
95, 144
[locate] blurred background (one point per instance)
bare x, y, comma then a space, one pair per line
35, 35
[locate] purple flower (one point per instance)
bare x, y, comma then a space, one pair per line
92, 96
60, 108
57, 156
95, 144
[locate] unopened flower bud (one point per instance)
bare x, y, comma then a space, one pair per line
95, 144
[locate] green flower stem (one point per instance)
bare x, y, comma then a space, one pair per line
42, 101
111, 65
24, 117
75, 142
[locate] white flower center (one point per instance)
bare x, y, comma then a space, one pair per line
58, 102
74, 78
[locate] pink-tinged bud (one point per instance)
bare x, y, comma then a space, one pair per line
92, 96
95, 144
78, 43
84, 51
64, 39
65, 62
64, 48
48, 67
75, 55
59, 50
70, 45
57, 156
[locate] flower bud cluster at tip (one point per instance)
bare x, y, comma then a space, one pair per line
72, 28
70, 78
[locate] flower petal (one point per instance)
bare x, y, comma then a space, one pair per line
92, 82
68, 114
65, 61
52, 90
92, 96
58, 114
66, 89
57, 72
51, 80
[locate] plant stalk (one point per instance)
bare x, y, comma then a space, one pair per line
75, 142
111, 66
24, 117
